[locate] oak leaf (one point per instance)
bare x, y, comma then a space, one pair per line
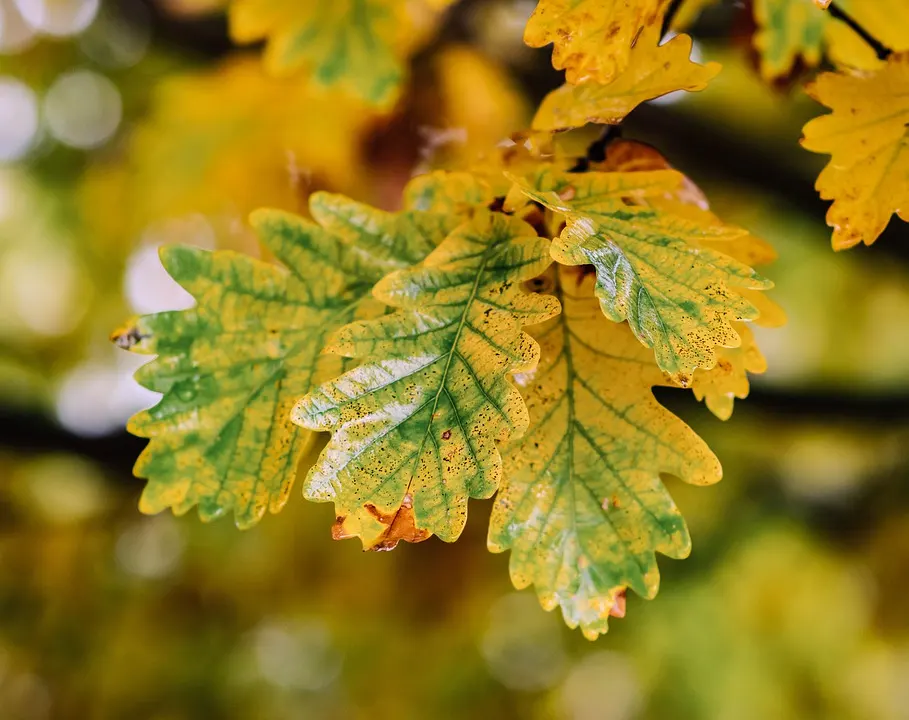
414, 428
653, 70
592, 39
867, 138
678, 297
788, 30
232, 367
582, 508
728, 379
358, 43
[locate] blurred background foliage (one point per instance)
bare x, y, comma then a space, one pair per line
131, 123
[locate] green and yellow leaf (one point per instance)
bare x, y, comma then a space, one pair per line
232, 367
414, 429
479, 182
592, 39
728, 379
582, 508
678, 297
360, 44
867, 138
653, 70
788, 30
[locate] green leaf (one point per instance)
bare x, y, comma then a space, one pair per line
788, 30
677, 295
232, 367
380, 242
354, 42
446, 192
582, 507
414, 429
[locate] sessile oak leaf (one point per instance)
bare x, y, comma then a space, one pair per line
414, 428
720, 385
867, 138
679, 298
232, 367
582, 508
653, 70
592, 39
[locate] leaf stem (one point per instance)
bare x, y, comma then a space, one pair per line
671, 12
596, 151
881, 50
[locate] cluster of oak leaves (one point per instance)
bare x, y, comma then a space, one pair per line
503, 331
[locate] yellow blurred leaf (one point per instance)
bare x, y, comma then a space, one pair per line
360, 44
867, 137
479, 99
230, 140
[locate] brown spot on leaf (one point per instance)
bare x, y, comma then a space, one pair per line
446, 435
618, 607
401, 525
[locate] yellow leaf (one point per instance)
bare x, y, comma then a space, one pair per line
678, 297
652, 70
478, 99
582, 508
358, 43
728, 379
592, 39
414, 429
886, 20
232, 139
867, 137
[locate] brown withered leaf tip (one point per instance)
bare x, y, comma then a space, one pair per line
399, 525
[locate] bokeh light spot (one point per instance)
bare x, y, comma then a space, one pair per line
18, 119
58, 17
83, 109
152, 548
523, 646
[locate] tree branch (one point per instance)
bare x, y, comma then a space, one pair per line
881, 50
671, 12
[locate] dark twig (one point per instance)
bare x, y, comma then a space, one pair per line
596, 151
882, 51
670, 15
